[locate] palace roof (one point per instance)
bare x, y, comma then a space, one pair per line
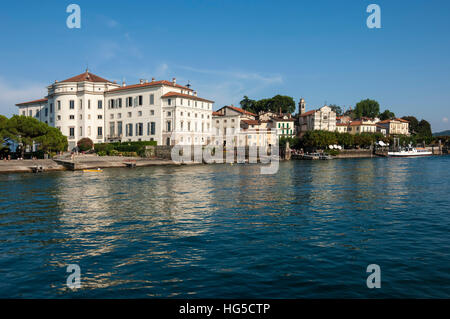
188, 96
149, 84
86, 76
32, 102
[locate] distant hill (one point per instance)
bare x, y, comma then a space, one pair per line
443, 133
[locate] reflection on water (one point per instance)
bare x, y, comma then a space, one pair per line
227, 231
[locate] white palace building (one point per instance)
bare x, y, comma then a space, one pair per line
87, 105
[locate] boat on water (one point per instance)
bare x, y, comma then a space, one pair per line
410, 152
98, 170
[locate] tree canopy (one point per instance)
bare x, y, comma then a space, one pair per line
322, 139
279, 102
369, 108
3, 126
337, 109
387, 115
424, 129
25, 130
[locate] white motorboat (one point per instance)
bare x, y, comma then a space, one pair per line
410, 151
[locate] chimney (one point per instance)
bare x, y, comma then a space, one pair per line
146, 81
123, 83
174, 81
195, 93
141, 81
153, 79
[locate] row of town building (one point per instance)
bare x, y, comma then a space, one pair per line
87, 105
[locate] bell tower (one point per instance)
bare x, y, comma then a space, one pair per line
301, 106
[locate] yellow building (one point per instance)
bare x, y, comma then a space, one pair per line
358, 127
342, 127
395, 126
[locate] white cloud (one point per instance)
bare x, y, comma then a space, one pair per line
268, 79
445, 120
161, 70
111, 23
107, 21
227, 87
10, 95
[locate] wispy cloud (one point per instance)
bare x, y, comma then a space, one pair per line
228, 86
268, 79
107, 21
10, 95
161, 70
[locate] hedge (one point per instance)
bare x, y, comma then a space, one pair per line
125, 147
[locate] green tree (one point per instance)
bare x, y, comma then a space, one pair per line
3, 130
364, 139
263, 105
25, 130
279, 102
345, 139
413, 124
336, 108
350, 113
282, 102
369, 108
52, 141
248, 104
424, 129
319, 139
387, 115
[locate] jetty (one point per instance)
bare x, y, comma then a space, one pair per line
79, 162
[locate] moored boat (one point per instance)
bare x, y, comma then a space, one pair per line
98, 170
410, 152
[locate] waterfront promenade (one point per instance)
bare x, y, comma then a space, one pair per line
79, 162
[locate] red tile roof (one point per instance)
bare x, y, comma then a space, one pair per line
153, 83
342, 124
388, 121
308, 113
238, 109
86, 76
217, 114
192, 97
355, 123
32, 102
251, 122
280, 119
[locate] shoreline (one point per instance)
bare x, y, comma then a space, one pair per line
79, 164
93, 162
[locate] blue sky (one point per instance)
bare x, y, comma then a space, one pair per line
320, 50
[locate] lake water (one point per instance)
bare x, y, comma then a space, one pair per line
309, 231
